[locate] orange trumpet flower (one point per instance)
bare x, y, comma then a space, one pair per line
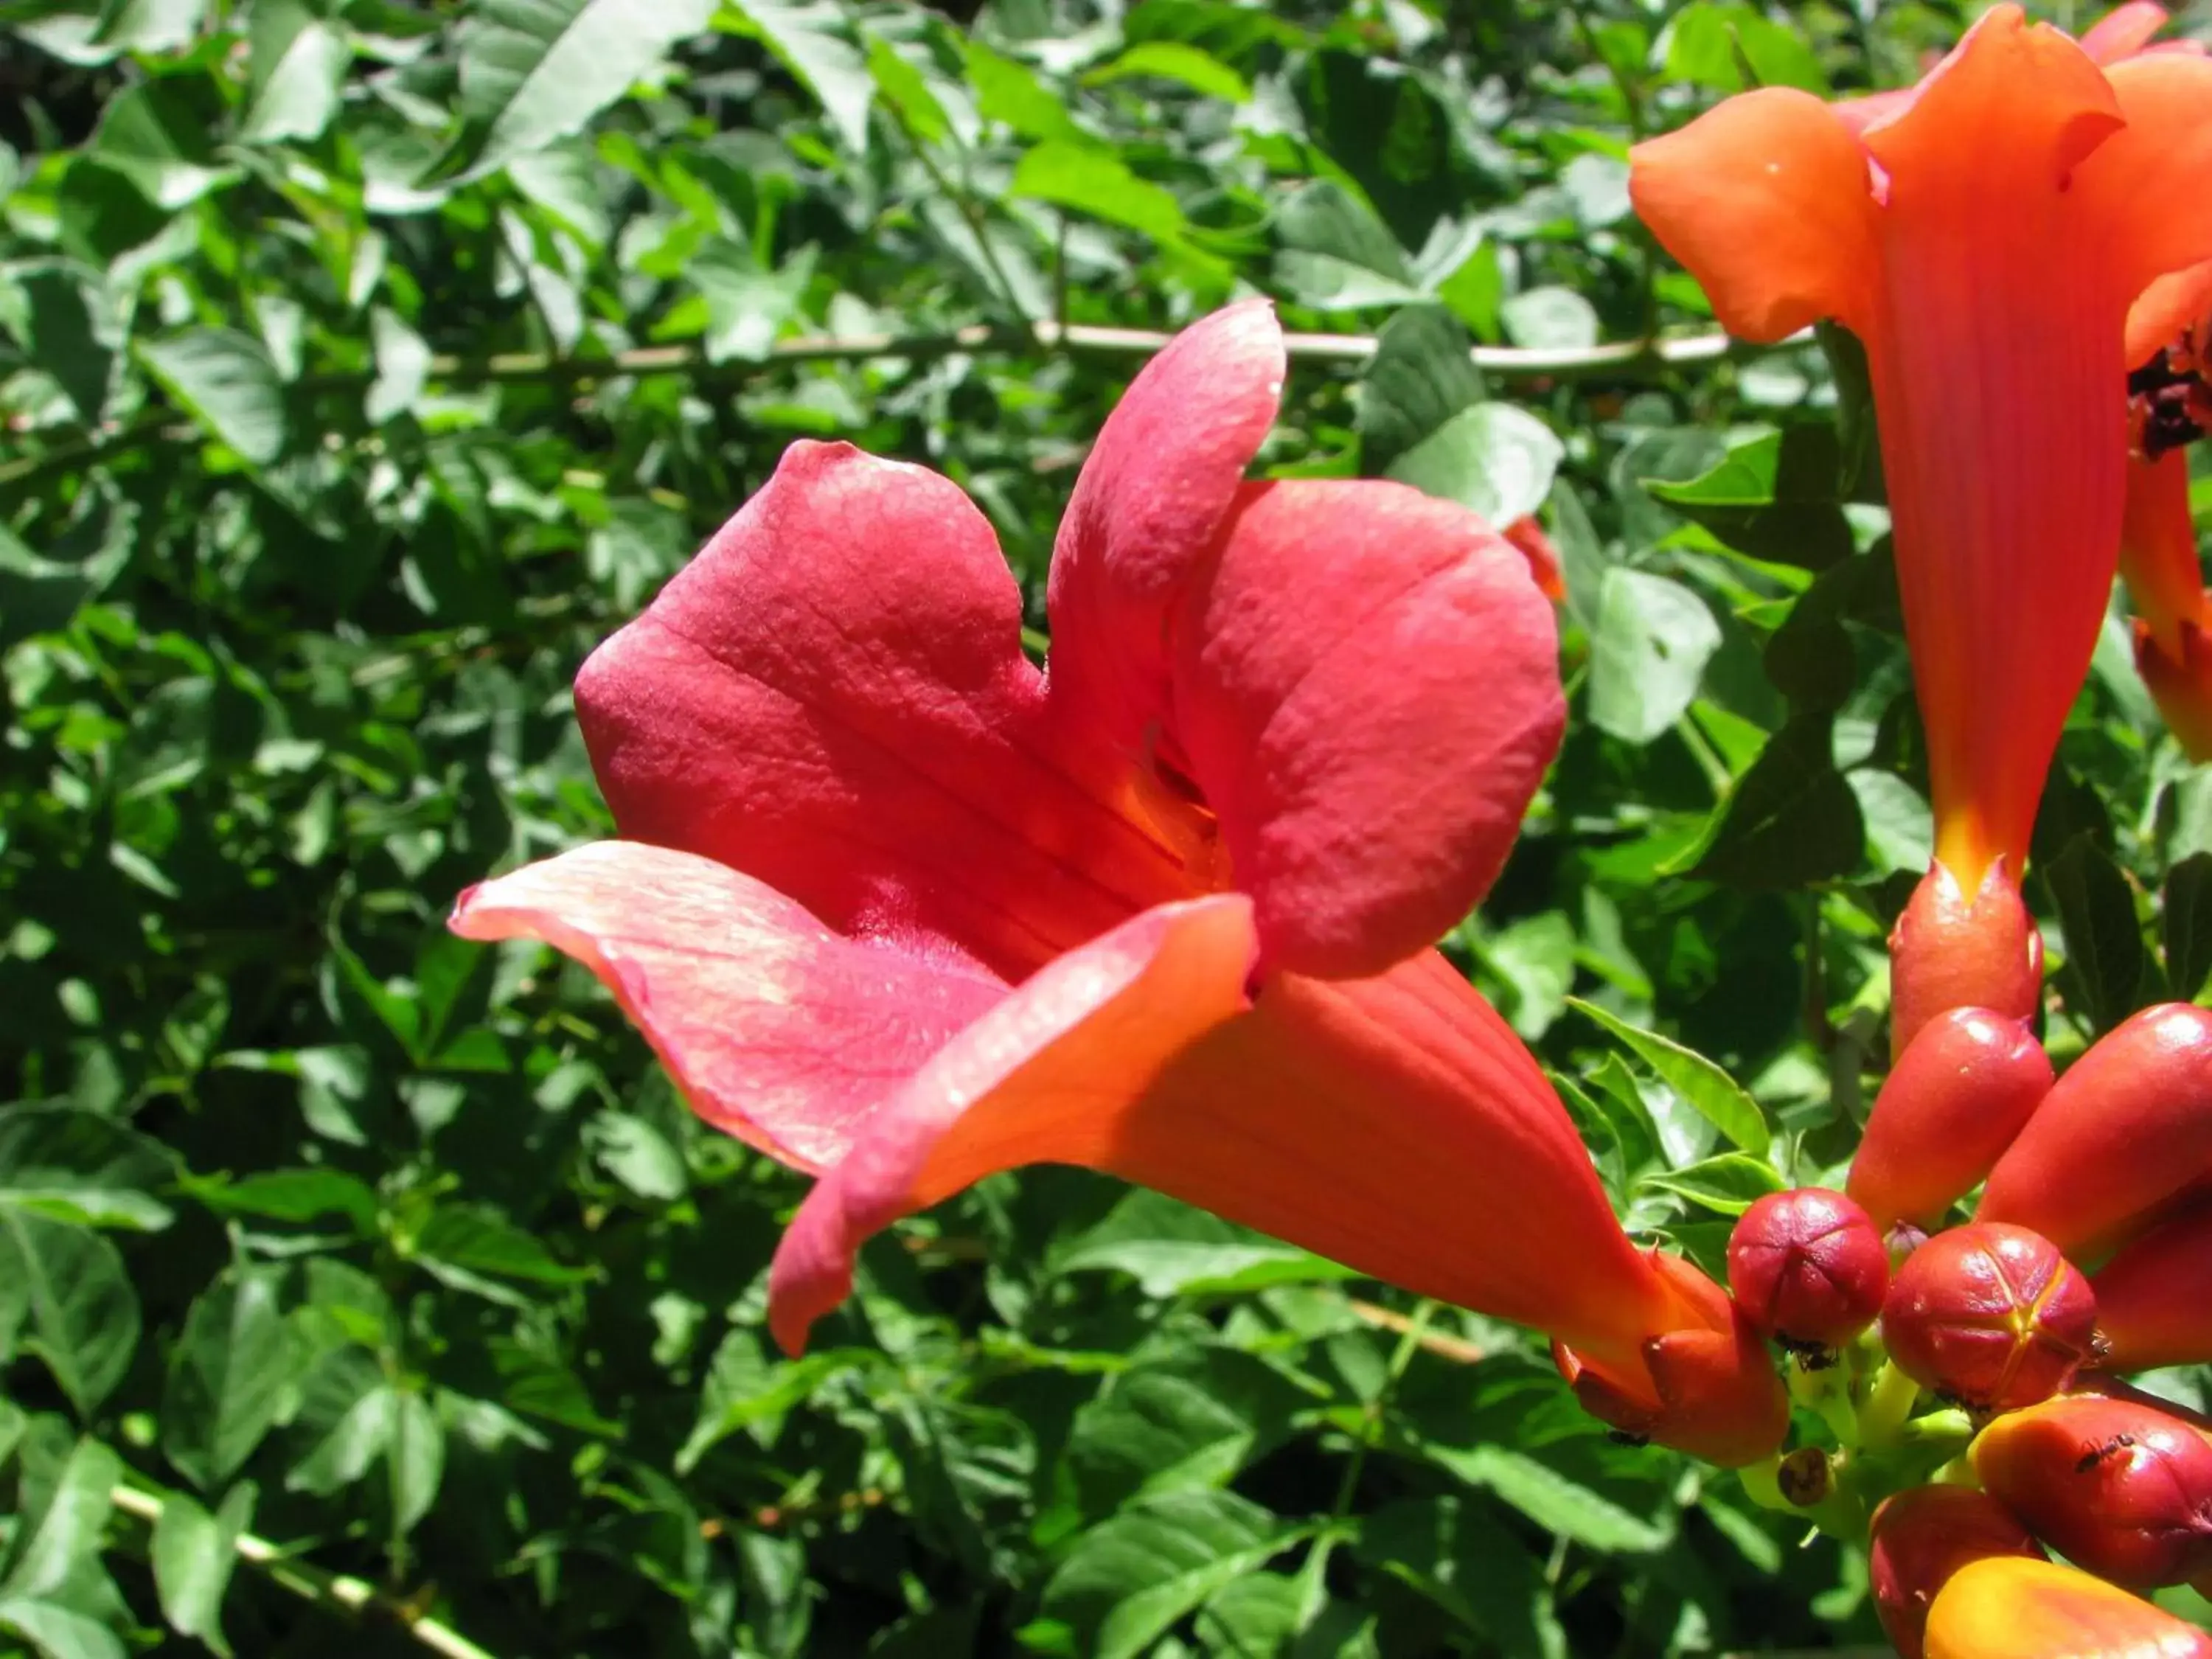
1983, 234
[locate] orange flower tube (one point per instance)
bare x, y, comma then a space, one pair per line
2012, 1607
1984, 235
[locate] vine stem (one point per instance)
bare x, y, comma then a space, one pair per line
1625, 357
353, 1596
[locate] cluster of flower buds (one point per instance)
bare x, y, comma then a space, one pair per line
2089, 1254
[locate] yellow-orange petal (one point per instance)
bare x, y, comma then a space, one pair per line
1765, 200
2012, 1608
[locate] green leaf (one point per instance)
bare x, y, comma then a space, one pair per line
62, 332
478, 1241
1728, 1184
294, 1195
1128, 1582
73, 1299
1792, 819
2105, 962
1172, 1250
533, 71
905, 90
812, 42
1099, 183
151, 135
1153, 1432
1454, 1553
149, 26
1649, 649
59, 1631
225, 382
1901, 829
1173, 60
639, 1155
744, 1388
1556, 1503
230, 1376
1012, 93
296, 65
194, 1553
1711, 45
1774, 497
1710, 1091
1336, 254
1496, 458
60, 1521
1422, 373
2186, 925
84, 1167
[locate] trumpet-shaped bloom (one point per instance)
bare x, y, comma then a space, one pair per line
1984, 234
1921, 1537
901, 910
2012, 1607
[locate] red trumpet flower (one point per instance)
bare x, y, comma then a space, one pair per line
1984, 234
900, 909
2154, 1296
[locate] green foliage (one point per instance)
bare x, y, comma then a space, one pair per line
363, 362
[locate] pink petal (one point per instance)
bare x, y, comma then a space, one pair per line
1151, 502
833, 698
2123, 31
776, 1030
1366, 687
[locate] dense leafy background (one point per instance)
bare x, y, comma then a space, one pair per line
363, 361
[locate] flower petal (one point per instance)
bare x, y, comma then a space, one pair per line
1151, 502
2125, 1129
2164, 157
775, 1029
2155, 1298
2012, 1608
1394, 1124
1366, 688
832, 697
2158, 550
2123, 31
2177, 301
1765, 200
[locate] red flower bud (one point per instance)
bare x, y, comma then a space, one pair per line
1921, 1537
2118, 1488
1808, 1266
1990, 1316
1956, 1098
2125, 1132
1949, 951
2155, 1298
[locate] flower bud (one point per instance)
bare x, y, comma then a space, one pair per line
1948, 950
2118, 1488
1991, 1316
2155, 1298
1808, 1267
2009, 1609
1924, 1536
2127, 1129
1956, 1098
